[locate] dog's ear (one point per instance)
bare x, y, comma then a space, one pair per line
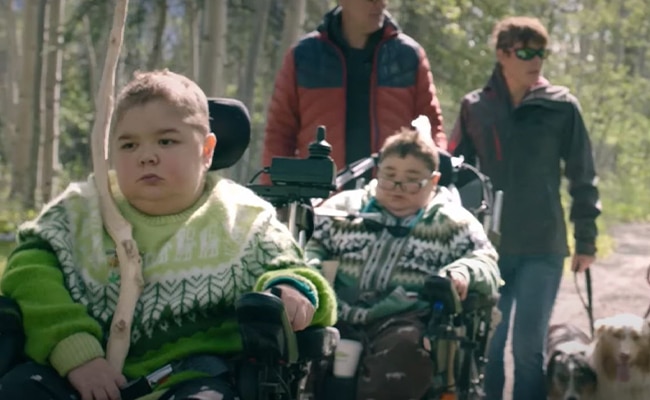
600, 326
646, 327
588, 372
550, 367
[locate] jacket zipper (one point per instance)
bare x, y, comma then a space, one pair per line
374, 124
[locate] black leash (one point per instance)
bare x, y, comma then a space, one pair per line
589, 305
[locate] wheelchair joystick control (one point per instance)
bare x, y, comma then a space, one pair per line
320, 148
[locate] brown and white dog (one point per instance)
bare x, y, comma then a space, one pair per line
568, 373
621, 357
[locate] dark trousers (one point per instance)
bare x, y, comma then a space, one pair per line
38, 382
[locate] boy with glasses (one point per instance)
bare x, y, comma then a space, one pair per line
524, 133
384, 261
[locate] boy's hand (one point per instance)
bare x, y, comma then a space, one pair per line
460, 283
97, 380
299, 309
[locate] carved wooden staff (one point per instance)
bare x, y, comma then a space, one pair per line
131, 281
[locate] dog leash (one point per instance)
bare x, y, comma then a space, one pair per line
588, 305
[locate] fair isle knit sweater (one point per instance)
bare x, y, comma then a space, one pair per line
380, 274
64, 274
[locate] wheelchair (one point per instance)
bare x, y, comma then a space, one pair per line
459, 331
275, 360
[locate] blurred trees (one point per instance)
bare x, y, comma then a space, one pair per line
51, 52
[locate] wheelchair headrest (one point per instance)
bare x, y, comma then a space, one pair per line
231, 123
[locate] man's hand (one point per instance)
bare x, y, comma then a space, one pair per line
299, 309
97, 380
581, 262
460, 283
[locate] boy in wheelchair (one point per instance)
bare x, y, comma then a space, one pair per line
205, 242
408, 231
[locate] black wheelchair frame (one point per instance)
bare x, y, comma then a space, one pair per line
448, 315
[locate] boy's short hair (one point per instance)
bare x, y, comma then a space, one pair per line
524, 30
178, 90
408, 141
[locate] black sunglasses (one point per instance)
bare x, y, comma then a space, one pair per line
527, 54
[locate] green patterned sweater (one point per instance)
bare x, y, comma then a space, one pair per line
380, 274
64, 275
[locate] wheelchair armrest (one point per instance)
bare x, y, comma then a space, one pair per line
267, 334
317, 342
265, 329
440, 291
477, 301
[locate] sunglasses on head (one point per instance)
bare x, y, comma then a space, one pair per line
527, 54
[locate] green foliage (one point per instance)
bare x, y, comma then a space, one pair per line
12, 217
599, 51
5, 250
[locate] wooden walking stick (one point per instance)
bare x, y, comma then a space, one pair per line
131, 281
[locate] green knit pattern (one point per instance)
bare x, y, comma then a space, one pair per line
195, 265
377, 270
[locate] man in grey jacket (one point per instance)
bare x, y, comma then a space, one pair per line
524, 133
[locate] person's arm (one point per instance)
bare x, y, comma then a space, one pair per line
427, 100
472, 255
460, 143
580, 171
277, 259
57, 329
283, 116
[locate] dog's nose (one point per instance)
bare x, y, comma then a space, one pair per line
572, 398
624, 357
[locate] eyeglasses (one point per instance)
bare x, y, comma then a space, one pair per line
527, 54
410, 187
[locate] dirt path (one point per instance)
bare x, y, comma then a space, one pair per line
619, 283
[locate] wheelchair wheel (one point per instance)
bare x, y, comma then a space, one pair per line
471, 366
472, 387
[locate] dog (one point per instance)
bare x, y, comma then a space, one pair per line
621, 357
569, 375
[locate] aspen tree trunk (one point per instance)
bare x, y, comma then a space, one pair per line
32, 177
25, 121
247, 90
51, 133
193, 37
155, 58
214, 48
